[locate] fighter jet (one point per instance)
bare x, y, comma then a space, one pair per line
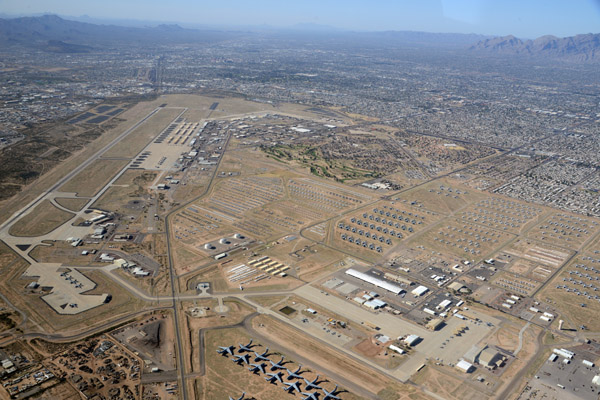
247, 348
295, 374
290, 387
261, 357
239, 398
312, 385
271, 378
277, 365
310, 396
225, 351
256, 368
331, 395
241, 359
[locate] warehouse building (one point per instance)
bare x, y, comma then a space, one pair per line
380, 283
420, 291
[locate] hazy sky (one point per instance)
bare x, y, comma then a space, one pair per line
523, 18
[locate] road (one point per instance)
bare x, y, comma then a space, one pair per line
89, 332
514, 382
173, 276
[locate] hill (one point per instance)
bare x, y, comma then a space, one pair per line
52, 33
580, 48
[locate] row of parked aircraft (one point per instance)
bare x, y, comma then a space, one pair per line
276, 374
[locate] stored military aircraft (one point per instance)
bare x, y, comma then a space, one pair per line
295, 374
225, 351
277, 365
255, 368
261, 357
310, 396
290, 387
271, 378
247, 348
312, 385
331, 395
241, 359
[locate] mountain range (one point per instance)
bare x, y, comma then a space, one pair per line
54, 34
580, 48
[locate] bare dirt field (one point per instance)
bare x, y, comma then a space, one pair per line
43, 219
153, 339
447, 386
130, 186
94, 177
70, 203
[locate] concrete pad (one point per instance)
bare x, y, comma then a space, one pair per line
346, 288
68, 288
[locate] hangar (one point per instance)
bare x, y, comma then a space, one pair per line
375, 281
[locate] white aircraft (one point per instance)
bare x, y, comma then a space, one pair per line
331, 395
256, 368
312, 385
271, 378
277, 365
261, 357
295, 374
241, 359
225, 351
310, 396
247, 348
290, 387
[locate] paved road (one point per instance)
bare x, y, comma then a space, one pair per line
173, 278
516, 380
521, 332
58, 337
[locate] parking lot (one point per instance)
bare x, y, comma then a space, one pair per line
574, 376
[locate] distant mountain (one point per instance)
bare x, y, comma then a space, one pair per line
582, 48
309, 26
430, 38
52, 33
57, 46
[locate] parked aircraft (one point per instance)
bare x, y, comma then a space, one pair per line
225, 351
295, 374
312, 385
256, 368
241, 359
290, 387
277, 365
310, 396
331, 395
247, 348
271, 378
261, 357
